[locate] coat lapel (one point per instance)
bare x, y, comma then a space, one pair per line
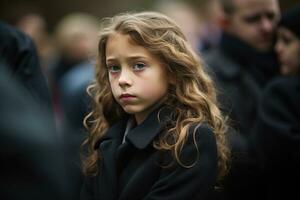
144, 134
141, 136
108, 146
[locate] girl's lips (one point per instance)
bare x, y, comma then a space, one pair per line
127, 97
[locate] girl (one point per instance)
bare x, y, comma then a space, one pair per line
155, 130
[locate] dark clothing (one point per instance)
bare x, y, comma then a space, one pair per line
73, 94
32, 165
18, 53
277, 138
135, 170
63, 65
241, 73
74, 102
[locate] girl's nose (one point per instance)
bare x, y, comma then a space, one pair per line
125, 78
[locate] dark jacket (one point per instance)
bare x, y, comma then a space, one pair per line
135, 170
241, 74
31, 156
277, 138
18, 54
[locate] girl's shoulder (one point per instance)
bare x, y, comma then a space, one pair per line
201, 132
200, 144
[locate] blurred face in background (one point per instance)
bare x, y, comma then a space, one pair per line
254, 22
288, 51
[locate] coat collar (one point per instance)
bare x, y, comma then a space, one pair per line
143, 134
114, 132
261, 65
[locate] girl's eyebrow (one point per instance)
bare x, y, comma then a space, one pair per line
134, 57
111, 59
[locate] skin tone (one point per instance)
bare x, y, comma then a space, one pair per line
254, 22
138, 79
288, 51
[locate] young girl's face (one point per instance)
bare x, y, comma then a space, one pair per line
137, 78
288, 51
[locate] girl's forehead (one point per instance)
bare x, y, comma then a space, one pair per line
122, 45
122, 36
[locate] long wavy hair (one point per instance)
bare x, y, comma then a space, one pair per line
192, 96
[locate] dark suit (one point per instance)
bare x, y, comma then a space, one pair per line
135, 170
277, 138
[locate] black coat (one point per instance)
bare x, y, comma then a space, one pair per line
277, 138
135, 170
241, 73
18, 54
31, 156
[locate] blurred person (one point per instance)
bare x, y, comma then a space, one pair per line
32, 158
75, 104
35, 26
288, 43
242, 64
196, 18
208, 13
185, 17
277, 134
73, 95
156, 131
76, 36
34, 155
18, 53
244, 61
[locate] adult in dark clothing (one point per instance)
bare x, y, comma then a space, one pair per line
277, 134
244, 61
242, 65
241, 72
19, 55
32, 156
32, 166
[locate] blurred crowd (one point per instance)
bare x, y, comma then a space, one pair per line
251, 48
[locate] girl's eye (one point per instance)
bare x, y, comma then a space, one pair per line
113, 69
139, 66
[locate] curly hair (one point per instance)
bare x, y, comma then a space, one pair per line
192, 95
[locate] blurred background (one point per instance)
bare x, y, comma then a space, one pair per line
53, 11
